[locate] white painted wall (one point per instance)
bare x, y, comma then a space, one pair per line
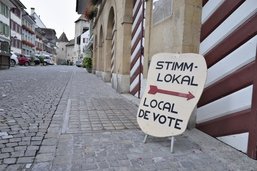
16, 34
61, 50
209, 8
238, 141
234, 102
237, 59
4, 19
85, 36
79, 25
39, 22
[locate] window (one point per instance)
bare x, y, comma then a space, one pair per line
1, 28
4, 29
4, 10
84, 40
14, 26
7, 33
14, 42
17, 28
17, 12
19, 44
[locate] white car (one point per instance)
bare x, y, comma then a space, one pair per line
48, 60
79, 63
14, 59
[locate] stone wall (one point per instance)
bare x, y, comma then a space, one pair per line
104, 31
175, 29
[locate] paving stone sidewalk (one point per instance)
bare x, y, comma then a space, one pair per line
95, 128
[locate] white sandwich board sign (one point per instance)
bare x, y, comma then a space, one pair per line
175, 83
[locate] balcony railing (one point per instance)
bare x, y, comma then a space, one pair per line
28, 29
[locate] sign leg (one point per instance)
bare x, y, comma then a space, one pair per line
145, 138
172, 144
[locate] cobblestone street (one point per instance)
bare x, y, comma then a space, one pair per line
62, 118
29, 97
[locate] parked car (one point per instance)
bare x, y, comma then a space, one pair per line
23, 60
14, 59
35, 60
48, 60
79, 63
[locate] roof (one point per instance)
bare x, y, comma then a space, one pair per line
48, 31
71, 42
29, 18
81, 5
18, 3
40, 31
8, 3
81, 18
37, 18
63, 38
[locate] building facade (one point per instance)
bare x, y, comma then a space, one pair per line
28, 34
84, 42
16, 26
125, 39
5, 7
70, 52
128, 33
39, 41
49, 43
39, 22
62, 49
81, 26
45, 42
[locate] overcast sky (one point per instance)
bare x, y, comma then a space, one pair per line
56, 14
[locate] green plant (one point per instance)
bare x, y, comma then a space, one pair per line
41, 59
32, 59
87, 63
91, 11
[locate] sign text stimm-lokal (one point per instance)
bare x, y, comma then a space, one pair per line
174, 85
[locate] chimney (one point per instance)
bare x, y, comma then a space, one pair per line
32, 10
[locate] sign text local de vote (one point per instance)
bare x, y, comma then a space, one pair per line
175, 83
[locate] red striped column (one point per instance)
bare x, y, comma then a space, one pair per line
137, 48
113, 49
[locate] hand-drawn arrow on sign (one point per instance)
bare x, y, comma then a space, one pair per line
155, 89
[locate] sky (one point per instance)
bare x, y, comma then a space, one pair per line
56, 14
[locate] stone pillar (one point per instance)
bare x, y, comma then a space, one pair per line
121, 78
99, 60
94, 60
124, 73
106, 75
177, 32
191, 37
